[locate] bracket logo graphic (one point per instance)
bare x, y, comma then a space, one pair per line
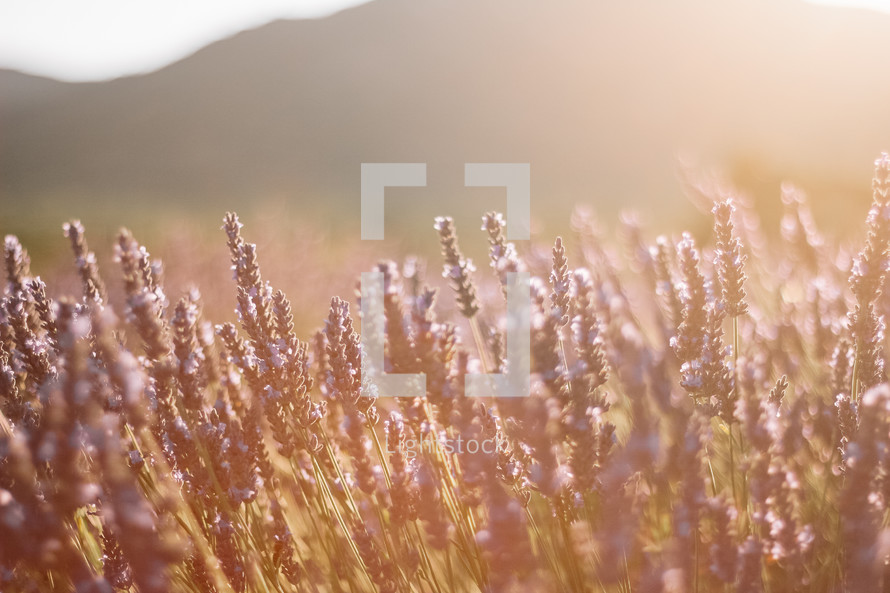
516, 380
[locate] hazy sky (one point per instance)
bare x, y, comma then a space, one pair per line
96, 39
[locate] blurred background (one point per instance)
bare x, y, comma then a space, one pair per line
161, 116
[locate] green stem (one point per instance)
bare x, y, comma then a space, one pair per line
732, 464
480, 344
854, 387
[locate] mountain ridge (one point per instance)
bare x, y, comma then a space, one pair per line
598, 98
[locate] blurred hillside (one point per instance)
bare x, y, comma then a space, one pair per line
599, 97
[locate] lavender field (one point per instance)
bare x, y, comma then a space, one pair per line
706, 415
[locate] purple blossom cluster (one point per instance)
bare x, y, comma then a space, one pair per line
706, 414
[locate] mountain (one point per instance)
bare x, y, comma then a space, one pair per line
598, 96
